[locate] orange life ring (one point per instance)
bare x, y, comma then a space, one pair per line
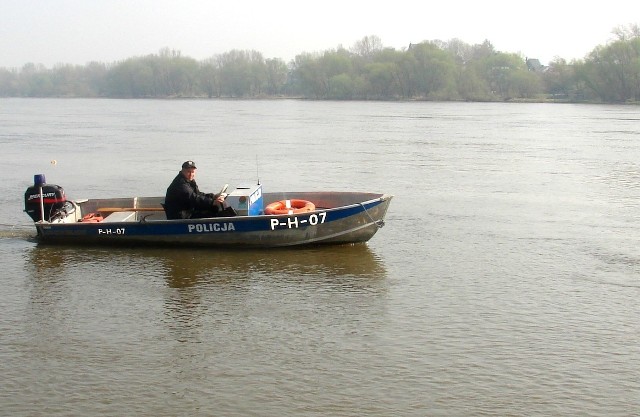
289, 207
92, 218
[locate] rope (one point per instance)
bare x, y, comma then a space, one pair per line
379, 223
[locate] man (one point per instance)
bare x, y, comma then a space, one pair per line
185, 201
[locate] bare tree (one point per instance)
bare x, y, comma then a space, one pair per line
367, 47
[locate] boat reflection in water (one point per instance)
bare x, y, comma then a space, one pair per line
341, 264
185, 290
183, 268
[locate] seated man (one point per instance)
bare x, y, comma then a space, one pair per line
185, 201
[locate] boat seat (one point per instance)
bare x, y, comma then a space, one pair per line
120, 216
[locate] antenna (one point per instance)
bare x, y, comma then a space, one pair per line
257, 169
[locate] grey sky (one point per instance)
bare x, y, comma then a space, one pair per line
80, 31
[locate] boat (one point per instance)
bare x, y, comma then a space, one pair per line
262, 220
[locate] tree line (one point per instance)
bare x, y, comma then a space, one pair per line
430, 70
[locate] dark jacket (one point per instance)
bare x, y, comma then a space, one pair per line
184, 198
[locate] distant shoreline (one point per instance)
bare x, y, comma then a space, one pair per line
275, 98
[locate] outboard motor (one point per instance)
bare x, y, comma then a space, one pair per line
43, 201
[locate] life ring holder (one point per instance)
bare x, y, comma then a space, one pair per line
291, 206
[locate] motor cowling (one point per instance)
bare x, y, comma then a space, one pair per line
52, 196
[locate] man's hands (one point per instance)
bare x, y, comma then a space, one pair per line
221, 196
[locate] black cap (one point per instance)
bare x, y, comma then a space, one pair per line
189, 164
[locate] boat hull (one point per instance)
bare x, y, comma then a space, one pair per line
341, 218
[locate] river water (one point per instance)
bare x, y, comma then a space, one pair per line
505, 282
